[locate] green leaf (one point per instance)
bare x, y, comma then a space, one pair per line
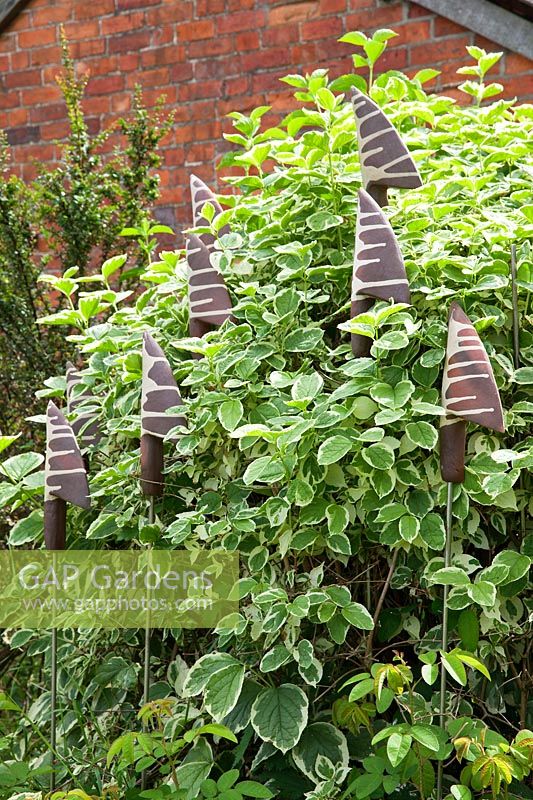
433, 532
422, 433
27, 530
337, 517
398, 745
306, 387
409, 528
524, 375
279, 715
450, 576
454, 667
379, 456
366, 784
358, 616
265, 470
426, 736
195, 768
320, 739
333, 449
112, 264
230, 414
483, 593
223, 689
253, 789
17, 467
322, 220
354, 37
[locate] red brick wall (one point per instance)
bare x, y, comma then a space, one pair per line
208, 57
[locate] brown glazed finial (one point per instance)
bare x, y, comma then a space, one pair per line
384, 159
469, 393
209, 300
65, 477
378, 269
91, 434
159, 393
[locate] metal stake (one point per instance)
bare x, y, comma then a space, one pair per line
53, 711
147, 645
447, 560
516, 359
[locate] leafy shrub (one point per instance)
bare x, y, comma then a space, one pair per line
323, 472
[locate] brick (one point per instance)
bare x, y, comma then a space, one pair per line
322, 28
130, 41
161, 56
446, 27
204, 8
105, 85
418, 11
385, 17
48, 112
181, 72
89, 9
520, 86
281, 34
79, 30
88, 48
16, 118
412, 31
216, 67
438, 51
200, 153
515, 63
248, 40
127, 62
27, 77
51, 13
126, 5
234, 86
40, 94
170, 13
266, 59
37, 37
292, 12
239, 5
266, 82
395, 58
332, 7
23, 135
189, 92
487, 44
241, 21
20, 60
46, 55
199, 29
212, 47
152, 77
120, 23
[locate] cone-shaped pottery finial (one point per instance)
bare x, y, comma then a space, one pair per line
65, 473
384, 158
379, 270
200, 195
159, 393
210, 304
469, 393
65, 477
90, 435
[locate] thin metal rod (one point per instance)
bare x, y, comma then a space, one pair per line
447, 560
516, 355
147, 645
53, 709
516, 319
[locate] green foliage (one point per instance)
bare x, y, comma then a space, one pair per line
322, 470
